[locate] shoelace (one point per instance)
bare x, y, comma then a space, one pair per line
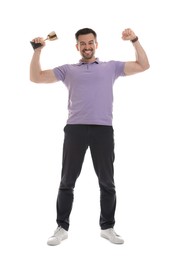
57, 230
112, 231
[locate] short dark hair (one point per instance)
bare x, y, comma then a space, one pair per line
85, 31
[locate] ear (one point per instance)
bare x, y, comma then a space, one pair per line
77, 47
96, 45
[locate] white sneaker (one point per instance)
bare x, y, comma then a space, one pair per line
59, 235
111, 235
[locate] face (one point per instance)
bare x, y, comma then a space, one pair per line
87, 45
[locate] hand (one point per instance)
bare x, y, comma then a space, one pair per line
128, 34
39, 40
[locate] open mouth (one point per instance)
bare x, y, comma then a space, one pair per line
87, 52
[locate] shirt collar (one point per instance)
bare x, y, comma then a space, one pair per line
82, 62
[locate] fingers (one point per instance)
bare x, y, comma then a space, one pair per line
128, 34
39, 40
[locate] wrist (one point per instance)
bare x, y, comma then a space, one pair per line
134, 39
37, 50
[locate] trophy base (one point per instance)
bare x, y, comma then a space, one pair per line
35, 45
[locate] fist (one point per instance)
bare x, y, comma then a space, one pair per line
39, 40
128, 34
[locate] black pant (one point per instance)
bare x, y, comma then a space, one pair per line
101, 142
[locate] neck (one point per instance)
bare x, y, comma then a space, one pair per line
88, 60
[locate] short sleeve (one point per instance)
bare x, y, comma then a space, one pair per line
60, 72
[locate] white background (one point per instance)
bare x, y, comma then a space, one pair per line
32, 118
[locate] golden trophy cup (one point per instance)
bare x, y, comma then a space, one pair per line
51, 37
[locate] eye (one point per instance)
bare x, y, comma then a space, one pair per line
82, 44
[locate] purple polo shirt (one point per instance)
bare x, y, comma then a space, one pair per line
90, 87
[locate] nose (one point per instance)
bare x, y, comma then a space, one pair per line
87, 46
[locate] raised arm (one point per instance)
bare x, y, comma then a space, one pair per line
36, 74
141, 63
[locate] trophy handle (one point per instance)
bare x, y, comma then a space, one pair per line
35, 45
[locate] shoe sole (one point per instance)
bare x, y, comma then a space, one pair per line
57, 243
118, 243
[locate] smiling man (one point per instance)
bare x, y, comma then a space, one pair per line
87, 44
89, 124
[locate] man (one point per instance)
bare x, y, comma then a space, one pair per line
90, 85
